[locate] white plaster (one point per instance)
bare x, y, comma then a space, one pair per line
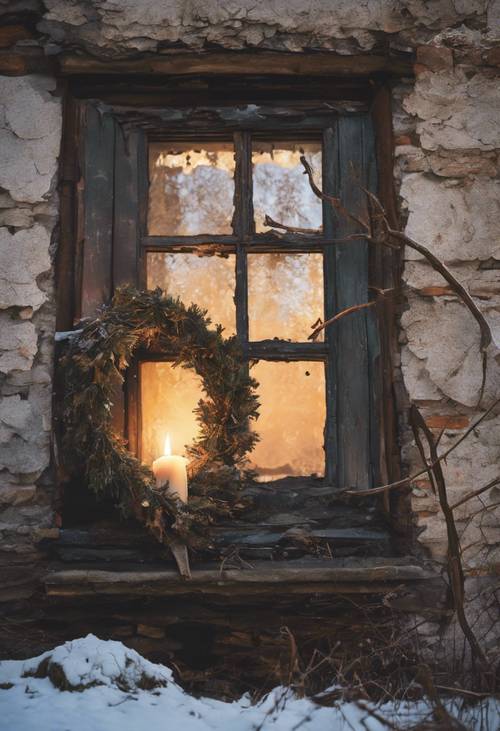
456, 112
23, 257
445, 337
18, 344
30, 136
456, 222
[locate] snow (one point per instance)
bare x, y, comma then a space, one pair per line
111, 697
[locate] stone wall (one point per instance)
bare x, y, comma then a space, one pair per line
446, 126
447, 129
30, 136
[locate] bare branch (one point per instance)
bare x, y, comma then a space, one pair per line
406, 480
318, 328
335, 202
477, 492
454, 562
268, 221
348, 311
458, 288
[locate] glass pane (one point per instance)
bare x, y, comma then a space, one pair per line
191, 188
168, 397
285, 295
280, 188
208, 281
291, 421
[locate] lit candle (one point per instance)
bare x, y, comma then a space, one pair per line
172, 467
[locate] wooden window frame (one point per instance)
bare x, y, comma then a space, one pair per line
136, 125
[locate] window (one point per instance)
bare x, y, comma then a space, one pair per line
177, 197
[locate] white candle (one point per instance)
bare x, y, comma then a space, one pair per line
172, 467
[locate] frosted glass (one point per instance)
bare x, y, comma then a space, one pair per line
168, 397
285, 295
191, 188
209, 282
280, 188
292, 419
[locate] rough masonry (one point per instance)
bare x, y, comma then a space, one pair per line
447, 142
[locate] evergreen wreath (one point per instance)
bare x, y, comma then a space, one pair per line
94, 364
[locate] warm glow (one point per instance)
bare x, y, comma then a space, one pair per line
167, 447
169, 397
191, 188
292, 420
210, 282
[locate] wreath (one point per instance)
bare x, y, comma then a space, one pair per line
94, 363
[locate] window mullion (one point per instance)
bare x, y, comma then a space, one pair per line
243, 226
329, 268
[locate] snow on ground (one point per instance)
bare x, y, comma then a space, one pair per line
115, 689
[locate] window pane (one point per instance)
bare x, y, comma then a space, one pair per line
168, 397
208, 281
280, 188
285, 295
291, 421
191, 188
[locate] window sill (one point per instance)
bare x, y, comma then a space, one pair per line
306, 576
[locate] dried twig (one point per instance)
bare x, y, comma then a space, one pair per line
268, 221
406, 480
384, 230
454, 562
477, 492
335, 202
319, 327
348, 311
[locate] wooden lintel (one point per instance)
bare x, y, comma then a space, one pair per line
289, 64
365, 576
21, 64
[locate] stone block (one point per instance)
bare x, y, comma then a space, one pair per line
11, 494
457, 223
16, 217
462, 164
475, 461
456, 112
21, 457
416, 378
15, 414
23, 257
436, 58
30, 136
445, 338
18, 344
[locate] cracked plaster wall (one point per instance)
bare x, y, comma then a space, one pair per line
30, 135
446, 126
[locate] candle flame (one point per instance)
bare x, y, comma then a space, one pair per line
167, 448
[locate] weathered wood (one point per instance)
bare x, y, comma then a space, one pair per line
10, 34
329, 174
239, 63
180, 554
124, 535
98, 224
354, 152
66, 250
335, 576
284, 350
341, 536
242, 226
385, 272
272, 241
133, 410
30, 61
126, 209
